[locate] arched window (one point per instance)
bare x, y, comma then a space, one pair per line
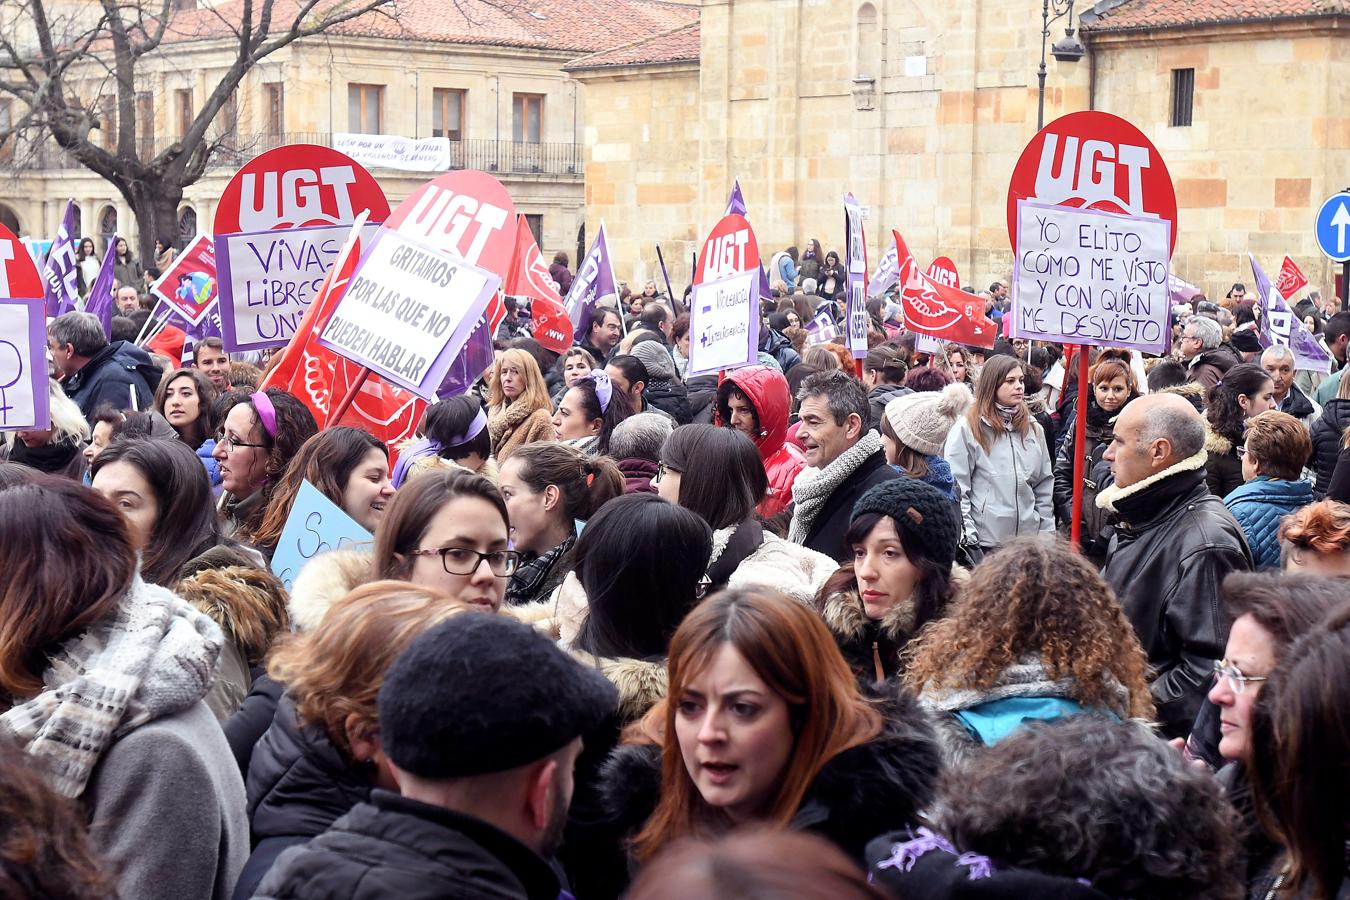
10, 219
868, 44
187, 225
107, 224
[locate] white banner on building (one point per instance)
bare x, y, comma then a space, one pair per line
392, 151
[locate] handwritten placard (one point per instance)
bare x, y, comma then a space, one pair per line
1091, 277
269, 278
23, 366
316, 525
408, 311
721, 323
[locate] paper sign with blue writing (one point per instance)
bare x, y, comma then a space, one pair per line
1091, 277
408, 311
23, 366
268, 279
724, 324
316, 525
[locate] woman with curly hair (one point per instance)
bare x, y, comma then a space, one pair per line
260, 433
1246, 391
1035, 634
1083, 809
1315, 540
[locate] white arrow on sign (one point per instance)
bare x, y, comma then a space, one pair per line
1340, 220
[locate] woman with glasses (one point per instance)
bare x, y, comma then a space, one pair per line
448, 531
262, 431
550, 491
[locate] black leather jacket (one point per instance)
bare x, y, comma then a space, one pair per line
1169, 553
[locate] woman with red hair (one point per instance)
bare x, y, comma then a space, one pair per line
1315, 540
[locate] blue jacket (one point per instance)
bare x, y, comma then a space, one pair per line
110, 376
1258, 507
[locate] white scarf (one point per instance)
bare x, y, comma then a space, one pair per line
154, 657
814, 486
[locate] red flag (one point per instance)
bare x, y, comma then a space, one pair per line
319, 377
932, 308
1291, 279
528, 278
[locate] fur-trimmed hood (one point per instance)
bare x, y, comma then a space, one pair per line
864, 791
1216, 443
324, 580
1192, 392
247, 602
641, 682
844, 614
1109, 496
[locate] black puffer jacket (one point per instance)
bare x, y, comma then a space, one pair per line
298, 785
1328, 437
879, 396
400, 849
110, 376
878, 786
671, 398
702, 396
1171, 548
779, 347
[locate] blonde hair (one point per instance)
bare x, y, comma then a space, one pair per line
336, 669
67, 421
535, 394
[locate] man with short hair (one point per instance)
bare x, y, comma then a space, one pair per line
1172, 545
128, 300
211, 358
845, 458
656, 318
481, 721
94, 372
1202, 353
604, 334
1336, 336
1278, 361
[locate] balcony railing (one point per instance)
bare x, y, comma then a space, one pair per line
503, 158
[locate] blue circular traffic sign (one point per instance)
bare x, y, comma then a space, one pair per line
1333, 227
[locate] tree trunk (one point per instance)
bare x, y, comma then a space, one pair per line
155, 206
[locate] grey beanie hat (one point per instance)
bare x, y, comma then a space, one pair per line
657, 359
922, 420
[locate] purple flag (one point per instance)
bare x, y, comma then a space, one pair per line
594, 282
821, 329
886, 275
736, 207
99, 300
61, 288
1279, 325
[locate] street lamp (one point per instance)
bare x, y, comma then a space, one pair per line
1067, 49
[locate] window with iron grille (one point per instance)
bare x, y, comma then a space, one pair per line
1183, 94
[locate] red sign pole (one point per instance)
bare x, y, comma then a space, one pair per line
337, 412
1079, 448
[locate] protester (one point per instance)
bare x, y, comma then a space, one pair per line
603, 335
261, 432
519, 409
126, 268
105, 675
884, 377
1315, 540
561, 275
629, 376
846, 458
926, 379
349, 466
754, 401
664, 392
914, 432
456, 438
1206, 360
957, 364
1173, 545
186, 399
483, 764
323, 753
636, 447
1043, 815
1278, 361
46, 852
440, 531
725, 486
765, 723
1006, 488
1245, 391
1276, 449
1329, 435
93, 371
1299, 748
551, 490
589, 412
679, 341
210, 357
902, 576
820, 357
58, 449
1336, 338
576, 363
1113, 386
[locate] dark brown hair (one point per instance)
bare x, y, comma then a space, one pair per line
585, 482
982, 416
205, 426
726, 476
295, 425
326, 461
68, 561
914, 463
410, 512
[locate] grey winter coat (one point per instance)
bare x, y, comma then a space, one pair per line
1006, 492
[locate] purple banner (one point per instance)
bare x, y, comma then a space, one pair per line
24, 404
855, 268
594, 282
1278, 325
886, 275
61, 290
99, 300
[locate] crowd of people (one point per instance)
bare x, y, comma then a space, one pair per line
807, 628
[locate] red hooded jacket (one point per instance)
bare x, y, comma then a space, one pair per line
768, 393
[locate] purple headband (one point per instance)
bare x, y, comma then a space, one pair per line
604, 388
267, 413
477, 425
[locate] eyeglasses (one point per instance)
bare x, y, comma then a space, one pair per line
701, 589
462, 561
1237, 682
661, 470
228, 443
1242, 451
